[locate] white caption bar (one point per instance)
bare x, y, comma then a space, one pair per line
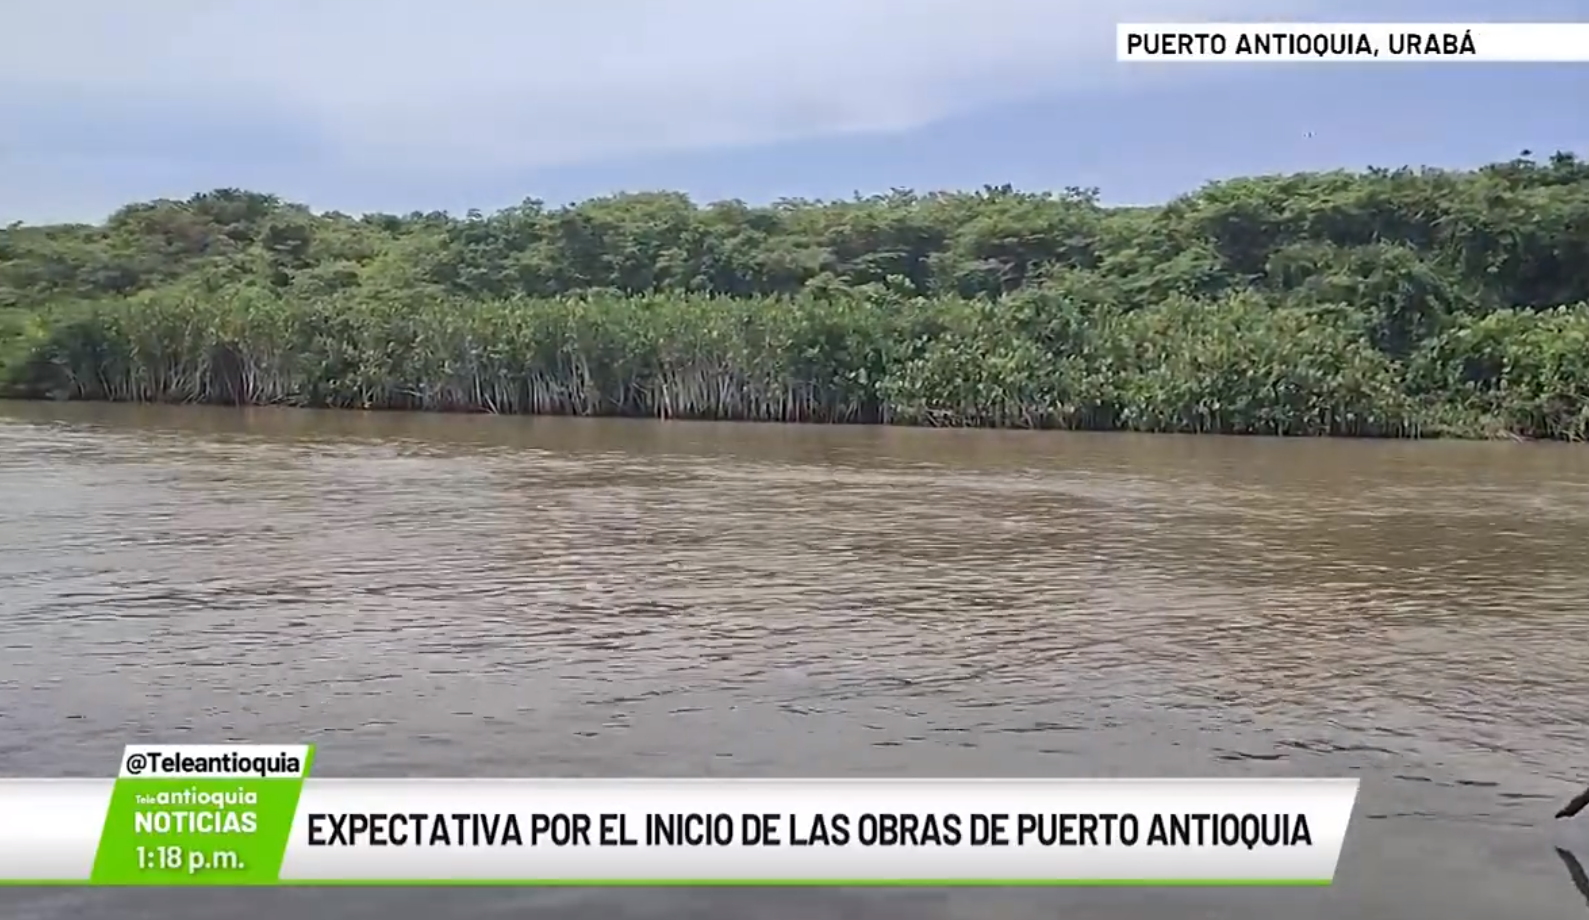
387, 830
549, 814
50, 828
1365, 43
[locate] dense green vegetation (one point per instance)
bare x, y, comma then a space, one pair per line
1402, 303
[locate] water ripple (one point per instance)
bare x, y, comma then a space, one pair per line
510, 597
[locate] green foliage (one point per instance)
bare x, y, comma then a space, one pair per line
1386, 303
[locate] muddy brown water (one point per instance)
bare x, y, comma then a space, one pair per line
433, 595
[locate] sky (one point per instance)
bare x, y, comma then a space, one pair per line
403, 105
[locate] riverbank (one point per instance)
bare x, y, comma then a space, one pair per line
1405, 303
1236, 366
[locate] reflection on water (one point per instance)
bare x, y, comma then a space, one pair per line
431, 595
1580, 880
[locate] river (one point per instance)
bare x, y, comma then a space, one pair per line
450, 595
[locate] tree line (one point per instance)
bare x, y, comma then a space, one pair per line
1405, 302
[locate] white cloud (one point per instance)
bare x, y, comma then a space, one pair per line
458, 85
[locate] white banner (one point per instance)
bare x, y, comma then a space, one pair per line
838, 832
1363, 43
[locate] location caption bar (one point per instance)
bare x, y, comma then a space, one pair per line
1361, 43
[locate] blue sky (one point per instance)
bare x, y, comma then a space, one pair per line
403, 105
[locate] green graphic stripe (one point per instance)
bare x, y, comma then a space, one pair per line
252, 880
187, 832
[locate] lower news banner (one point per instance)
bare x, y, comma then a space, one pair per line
234, 815
820, 832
